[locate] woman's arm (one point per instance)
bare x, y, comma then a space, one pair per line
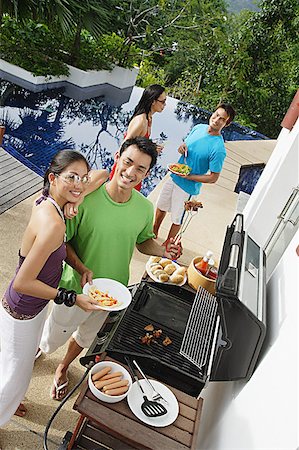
151, 247
74, 261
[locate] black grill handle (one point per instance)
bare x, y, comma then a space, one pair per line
230, 279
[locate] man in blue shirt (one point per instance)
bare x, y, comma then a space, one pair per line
205, 151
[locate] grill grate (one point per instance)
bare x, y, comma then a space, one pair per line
197, 339
126, 340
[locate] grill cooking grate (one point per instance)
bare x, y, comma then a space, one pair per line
126, 341
200, 326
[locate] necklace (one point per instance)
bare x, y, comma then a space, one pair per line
59, 210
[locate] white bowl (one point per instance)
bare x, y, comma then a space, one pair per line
115, 289
115, 368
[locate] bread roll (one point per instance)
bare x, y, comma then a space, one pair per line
177, 279
155, 266
158, 272
165, 262
163, 277
181, 271
154, 259
170, 268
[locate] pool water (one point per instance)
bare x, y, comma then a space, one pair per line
38, 125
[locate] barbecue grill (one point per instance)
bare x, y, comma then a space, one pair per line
213, 338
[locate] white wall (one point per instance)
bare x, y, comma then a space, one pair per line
263, 413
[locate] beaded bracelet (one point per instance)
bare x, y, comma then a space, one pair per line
61, 296
71, 298
67, 297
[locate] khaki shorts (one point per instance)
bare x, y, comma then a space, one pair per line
171, 199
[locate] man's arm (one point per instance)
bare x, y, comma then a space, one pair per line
208, 178
150, 247
73, 260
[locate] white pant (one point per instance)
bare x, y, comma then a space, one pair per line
19, 340
64, 322
171, 199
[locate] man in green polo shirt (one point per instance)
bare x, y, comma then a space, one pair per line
111, 221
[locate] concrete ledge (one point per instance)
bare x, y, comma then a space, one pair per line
117, 77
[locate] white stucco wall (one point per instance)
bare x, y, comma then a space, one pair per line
263, 413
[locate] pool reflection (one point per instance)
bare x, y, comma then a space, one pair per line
38, 125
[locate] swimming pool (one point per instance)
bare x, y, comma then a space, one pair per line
38, 125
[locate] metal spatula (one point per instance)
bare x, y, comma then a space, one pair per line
149, 407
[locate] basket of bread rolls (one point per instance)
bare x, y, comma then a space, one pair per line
196, 278
164, 270
109, 381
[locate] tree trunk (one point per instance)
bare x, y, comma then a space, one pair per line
75, 54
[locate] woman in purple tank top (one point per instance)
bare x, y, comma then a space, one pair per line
42, 251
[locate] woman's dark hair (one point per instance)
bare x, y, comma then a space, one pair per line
150, 94
59, 163
145, 145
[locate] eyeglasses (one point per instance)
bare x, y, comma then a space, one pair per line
72, 178
161, 101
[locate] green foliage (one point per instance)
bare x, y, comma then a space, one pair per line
149, 74
44, 51
102, 53
31, 46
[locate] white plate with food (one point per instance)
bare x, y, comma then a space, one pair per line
110, 294
179, 169
163, 270
135, 399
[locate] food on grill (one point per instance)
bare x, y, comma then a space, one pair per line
110, 383
163, 277
170, 268
167, 341
157, 333
101, 373
176, 278
154, 259
151, 338
182, 169
192, 205
147, 339
103, 298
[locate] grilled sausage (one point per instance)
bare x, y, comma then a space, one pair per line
118, 384
111, 375
96, 376
100, 384
118, 391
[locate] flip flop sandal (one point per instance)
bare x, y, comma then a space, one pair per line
58, 388
21, 411
38, 354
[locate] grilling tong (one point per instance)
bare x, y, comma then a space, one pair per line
191, 209
150, 408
